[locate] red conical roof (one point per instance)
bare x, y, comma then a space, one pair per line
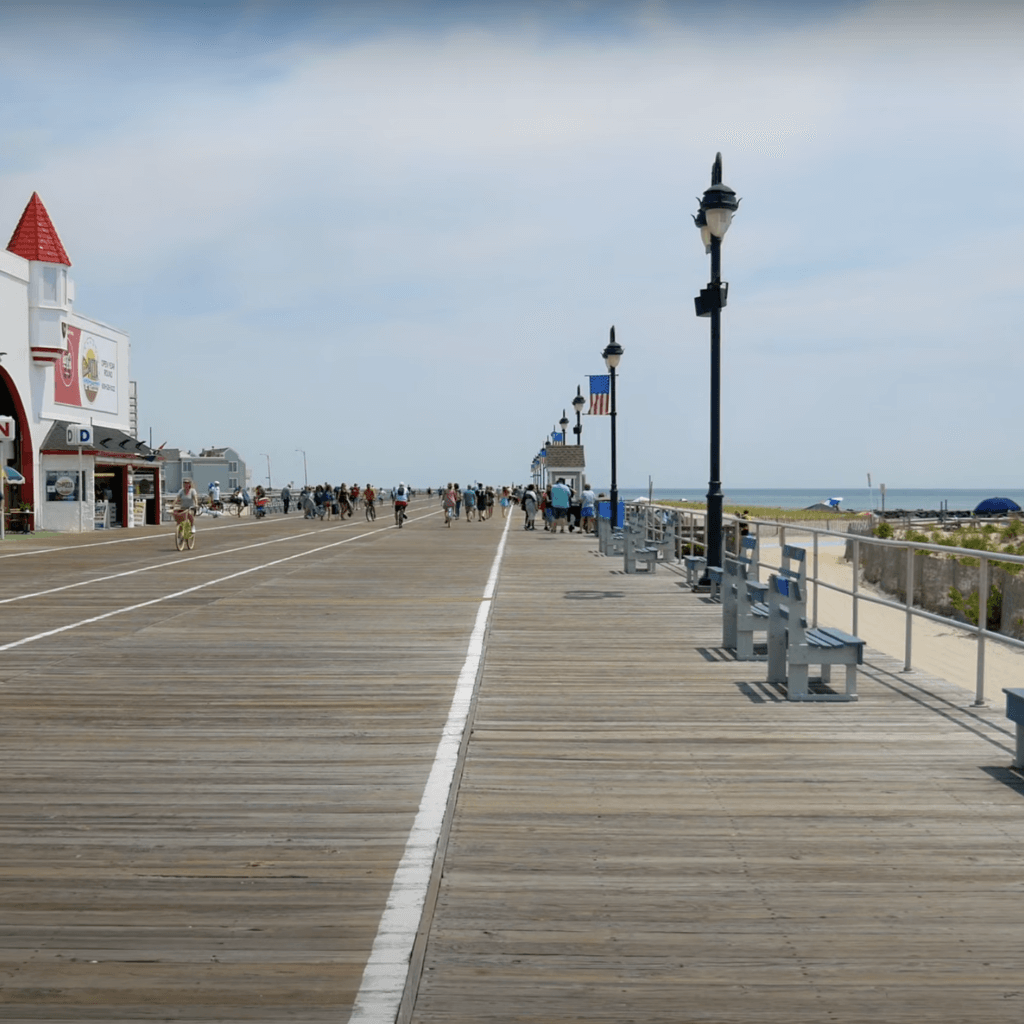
35, 237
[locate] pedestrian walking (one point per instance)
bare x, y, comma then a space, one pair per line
529, 504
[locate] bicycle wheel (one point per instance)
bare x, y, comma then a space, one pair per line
190, 537
179, 536
398, 517
371, 512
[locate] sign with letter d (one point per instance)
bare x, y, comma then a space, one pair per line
79, 435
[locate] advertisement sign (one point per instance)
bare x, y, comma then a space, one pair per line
64, 485
86, 375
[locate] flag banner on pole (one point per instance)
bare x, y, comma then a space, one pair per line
600, 389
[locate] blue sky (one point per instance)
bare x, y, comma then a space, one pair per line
395, 235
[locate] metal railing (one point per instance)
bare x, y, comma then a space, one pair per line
689, 526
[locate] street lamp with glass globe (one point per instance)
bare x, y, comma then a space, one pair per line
611, 355
713, 219
577, 403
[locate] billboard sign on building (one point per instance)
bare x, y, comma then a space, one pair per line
86, 375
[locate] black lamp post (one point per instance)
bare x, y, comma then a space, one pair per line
577, 403
716, 209
564, 424
612, 354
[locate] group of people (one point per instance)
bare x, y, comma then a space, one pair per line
559, 507
476, 500
558, 504
324, 501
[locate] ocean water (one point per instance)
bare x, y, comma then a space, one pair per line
855, 499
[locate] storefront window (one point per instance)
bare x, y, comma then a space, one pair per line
64, 485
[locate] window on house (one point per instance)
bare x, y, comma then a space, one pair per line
53, 286
186, 467
232, 467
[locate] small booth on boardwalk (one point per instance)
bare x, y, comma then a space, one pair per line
566, 461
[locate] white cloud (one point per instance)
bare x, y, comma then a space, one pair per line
465, 212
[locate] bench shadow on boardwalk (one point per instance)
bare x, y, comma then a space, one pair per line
646, 830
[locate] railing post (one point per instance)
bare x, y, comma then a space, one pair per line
814, 578
979, 695
856, 581
910, 610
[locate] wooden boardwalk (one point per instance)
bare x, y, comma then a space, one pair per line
205, 798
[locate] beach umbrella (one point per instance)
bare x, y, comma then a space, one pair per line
997, 505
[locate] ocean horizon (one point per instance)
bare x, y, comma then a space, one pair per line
854, 499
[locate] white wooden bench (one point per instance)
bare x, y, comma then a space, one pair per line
793, 647
637, 550
609, 541
752, 600
666, 539
736, 571
694, 568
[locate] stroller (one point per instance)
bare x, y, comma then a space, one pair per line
260, 506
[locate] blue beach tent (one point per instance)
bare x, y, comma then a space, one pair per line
991, 505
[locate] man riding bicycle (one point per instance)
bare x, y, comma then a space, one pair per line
401, 503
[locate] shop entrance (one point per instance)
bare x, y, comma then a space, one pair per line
147, 497
109, 488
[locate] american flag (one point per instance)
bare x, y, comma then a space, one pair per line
600, 387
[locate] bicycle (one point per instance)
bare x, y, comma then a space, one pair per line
371, 512
184, 532
400, 515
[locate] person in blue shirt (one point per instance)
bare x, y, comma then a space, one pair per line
469, 502
561, 499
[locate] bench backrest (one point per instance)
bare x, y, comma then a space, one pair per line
744, 565
748, 556
789, 595
794, 564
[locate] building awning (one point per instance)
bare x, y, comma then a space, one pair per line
12, 476
108, 442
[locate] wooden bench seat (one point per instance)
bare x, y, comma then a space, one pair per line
636, 551
793, 647
694, 568
1015, 713
736, 572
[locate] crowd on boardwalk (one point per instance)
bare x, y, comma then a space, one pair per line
559, 507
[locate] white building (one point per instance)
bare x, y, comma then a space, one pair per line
61, 371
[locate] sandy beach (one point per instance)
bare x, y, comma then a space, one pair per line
938, 649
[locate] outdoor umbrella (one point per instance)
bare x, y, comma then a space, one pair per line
997, 505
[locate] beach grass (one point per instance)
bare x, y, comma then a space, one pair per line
792, 515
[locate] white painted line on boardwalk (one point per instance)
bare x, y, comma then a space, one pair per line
179, 560
187, 590
384, 977
232, 524
182, 560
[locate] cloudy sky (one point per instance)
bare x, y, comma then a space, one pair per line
396, 234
